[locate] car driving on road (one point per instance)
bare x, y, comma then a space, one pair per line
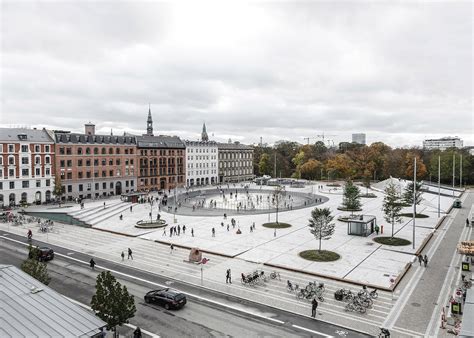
170, 299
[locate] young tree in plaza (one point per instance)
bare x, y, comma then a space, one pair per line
392, 205
351, 197
112, 303
277, 199
320, 224
408, 194
58, 188
36, 269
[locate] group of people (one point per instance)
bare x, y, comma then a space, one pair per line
423, 259
176, 230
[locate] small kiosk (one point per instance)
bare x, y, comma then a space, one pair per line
133, 197
361, 225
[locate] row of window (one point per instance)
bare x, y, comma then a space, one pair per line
25, 184
103, 151
154, 181
26, 160
88, 186
235, 164
162, 161
202, 165
25, 148
88, 174
234, 156
161, 171
236, 172
88, 162
202, 157
201, 150
25, 172
162, 152
202, 172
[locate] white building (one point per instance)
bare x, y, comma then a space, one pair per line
201, 161
358, 138
26, 166
443, 143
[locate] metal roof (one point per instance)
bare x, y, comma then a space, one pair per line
161, 141
32, 135
233, 146
29, 308
64, 138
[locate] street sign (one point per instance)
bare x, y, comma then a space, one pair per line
456, 308
465, 266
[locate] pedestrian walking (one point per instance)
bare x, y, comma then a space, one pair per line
377, 229
228, 278
467, 222
213, 232
251, 229
130, 254
171, 248
420, 259
227, 227
425, 260
184, 229
192, 232
122, 255
314, 307
104, 205
92, 263
179, 229
164, 232
130, 208
137, 333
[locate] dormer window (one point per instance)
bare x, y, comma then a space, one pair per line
22, 137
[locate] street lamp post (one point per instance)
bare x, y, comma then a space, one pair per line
414, 202
454, 167
439, 186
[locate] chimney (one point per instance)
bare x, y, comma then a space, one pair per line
90, 128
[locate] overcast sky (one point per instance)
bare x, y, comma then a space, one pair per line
397, 72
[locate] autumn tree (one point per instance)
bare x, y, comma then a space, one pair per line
112, 303
341, 165
309, 169
420, 166
321, 225
392, 205
298, 161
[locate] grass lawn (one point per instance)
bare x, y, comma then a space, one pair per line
275, 225
395, 241
319, 256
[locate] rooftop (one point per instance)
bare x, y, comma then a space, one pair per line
31, 309
161, 141
93, 139
32, 135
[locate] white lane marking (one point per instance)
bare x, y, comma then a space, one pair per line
309, 330
164, 286
126, 324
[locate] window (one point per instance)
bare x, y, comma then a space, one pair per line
111, 151
61, 163
88, 174
88, 163
68, 151
1, 185
1, 173
96, 174
96, 151
131, 183
25, 184
79, 163
11, 160
96, 162
12, 185
38, 183
111, 185
117, 151
61, 150
37, 171
11, 148
69, 176
103, 151
104, 185
111, 162
97, 186
69, 188
104, 173
24, 160
25, 172
46, 149
69, 163
111, 173
81, 187
11, 172
117, 161
48, 171
79, 151
47, 160
104, 161
37, 148
88, 151
88, 186
1, 160
48, 183
24, 148
37, 160
79, 174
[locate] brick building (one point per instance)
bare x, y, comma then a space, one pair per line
91, 165
26, 166
161, 160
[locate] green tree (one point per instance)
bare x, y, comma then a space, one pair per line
351, 197
392, 205
112, 303
36, 269
298, 161
408, 194
264, 164
277, 199
320, 224
58, 188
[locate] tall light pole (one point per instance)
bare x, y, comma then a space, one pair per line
414, 202
439, 185
454, 167
460, 174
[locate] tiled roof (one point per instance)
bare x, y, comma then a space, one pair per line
234, 146
161, 141
32, 135
93, 139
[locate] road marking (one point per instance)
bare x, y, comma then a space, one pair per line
312, 331
133, 327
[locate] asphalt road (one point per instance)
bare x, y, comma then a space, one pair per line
206, 314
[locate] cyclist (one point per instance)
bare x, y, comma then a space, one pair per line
30, 235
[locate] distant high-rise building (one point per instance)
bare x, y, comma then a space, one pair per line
358, 138
443, 143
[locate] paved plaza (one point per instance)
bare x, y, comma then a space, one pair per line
362, 260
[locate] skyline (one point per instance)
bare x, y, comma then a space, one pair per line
270, 70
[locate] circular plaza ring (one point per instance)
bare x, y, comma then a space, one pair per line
150, 224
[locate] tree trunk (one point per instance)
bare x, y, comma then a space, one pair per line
393, 225
319, 244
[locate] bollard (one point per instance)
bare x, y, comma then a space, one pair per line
381, 229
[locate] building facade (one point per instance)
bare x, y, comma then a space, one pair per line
201, 161
91, 165
26, 166
443, 143
235, 162
161, 160
359, 138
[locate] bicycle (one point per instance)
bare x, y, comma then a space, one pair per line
384, 333
274, 275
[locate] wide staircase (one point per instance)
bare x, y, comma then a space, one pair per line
97, 214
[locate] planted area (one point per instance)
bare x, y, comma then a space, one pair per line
275, 225
319, 256
394, 241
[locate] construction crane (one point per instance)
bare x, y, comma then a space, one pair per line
324, 135
309, 138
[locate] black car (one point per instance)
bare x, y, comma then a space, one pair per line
167, 298
44, 254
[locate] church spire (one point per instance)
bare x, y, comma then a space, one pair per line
149, 123
204, 136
